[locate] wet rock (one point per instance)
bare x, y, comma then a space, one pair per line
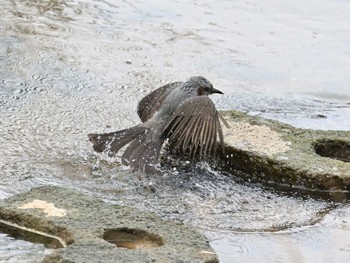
86, 229
311, 162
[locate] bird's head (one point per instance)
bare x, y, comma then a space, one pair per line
199, 86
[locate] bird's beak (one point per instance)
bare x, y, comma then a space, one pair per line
217, 91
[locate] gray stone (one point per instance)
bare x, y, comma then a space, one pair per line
313, 162
77, 224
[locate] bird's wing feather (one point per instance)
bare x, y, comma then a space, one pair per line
195, 126
150, 104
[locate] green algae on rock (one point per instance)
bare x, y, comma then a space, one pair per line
91, 230
314, 162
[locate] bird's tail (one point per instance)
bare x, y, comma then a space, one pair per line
144, 147
112, 142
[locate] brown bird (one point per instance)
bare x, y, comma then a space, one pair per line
181, 112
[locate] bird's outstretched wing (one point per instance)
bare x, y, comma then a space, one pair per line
150, 104
194, 127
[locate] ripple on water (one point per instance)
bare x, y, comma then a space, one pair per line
70, 68
306, 244
18, 251
202, 198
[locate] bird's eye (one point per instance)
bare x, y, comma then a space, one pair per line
202, 90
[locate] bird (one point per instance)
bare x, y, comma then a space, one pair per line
180, 112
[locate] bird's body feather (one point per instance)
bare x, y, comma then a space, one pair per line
152, 102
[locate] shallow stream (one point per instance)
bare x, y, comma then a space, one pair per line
68, 68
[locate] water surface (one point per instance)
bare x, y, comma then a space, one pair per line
69, 68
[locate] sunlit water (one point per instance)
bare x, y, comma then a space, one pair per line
69, 68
